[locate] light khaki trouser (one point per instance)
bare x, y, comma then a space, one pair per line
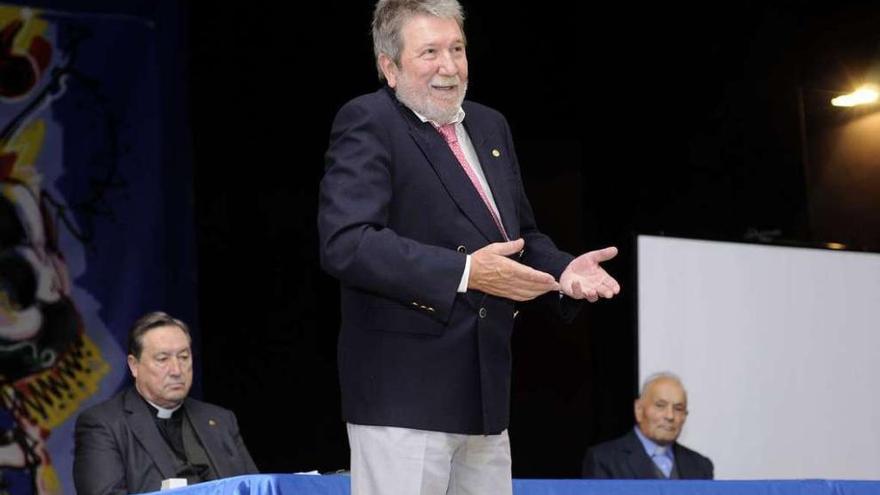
400, 461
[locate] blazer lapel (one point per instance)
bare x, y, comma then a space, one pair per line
493, 158
449, 171
686, 468
455, 180
209, 429
144, 428
641, 465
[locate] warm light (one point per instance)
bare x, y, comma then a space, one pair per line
835, 245
861, 96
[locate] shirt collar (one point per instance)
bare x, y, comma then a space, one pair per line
650, 446
459, 117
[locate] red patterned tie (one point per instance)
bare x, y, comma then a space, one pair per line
448, 132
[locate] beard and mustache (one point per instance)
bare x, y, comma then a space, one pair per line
425, 99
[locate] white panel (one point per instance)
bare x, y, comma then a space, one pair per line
778, 347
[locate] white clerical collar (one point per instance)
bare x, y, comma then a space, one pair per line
164, 413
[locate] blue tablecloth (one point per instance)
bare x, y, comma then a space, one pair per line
294, 484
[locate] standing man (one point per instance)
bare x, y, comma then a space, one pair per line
153, 431
651, 450
424, 220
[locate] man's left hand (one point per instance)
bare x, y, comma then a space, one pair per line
583, 278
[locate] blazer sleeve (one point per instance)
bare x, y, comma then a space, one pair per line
98, 467
248, 465
357, 245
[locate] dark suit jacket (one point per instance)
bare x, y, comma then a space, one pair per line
397, 215
119, 448
625, 458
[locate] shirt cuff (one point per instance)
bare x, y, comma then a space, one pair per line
462, 286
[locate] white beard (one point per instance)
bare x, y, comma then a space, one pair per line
418, 99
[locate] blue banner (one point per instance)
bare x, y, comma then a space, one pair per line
95, 226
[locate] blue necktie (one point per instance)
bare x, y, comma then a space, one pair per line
662, 461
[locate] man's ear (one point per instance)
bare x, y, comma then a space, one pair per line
132, 365
389, 69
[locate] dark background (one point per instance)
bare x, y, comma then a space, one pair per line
670, 119
660, 119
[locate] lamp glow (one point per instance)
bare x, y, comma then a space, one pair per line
862, 96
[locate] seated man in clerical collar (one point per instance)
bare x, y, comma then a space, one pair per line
154, 431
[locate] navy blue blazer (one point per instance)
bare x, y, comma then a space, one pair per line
625, 458
397, 215
120, 450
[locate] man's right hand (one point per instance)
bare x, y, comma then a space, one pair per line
493, 273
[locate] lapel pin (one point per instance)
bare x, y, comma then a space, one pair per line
211, 422
495, 152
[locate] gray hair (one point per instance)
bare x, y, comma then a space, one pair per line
390, 16
662, 375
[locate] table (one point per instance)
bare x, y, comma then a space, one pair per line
299, 484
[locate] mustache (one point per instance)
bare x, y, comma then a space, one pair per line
446, 81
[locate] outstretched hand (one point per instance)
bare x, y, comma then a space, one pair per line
583, 278
494, 273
